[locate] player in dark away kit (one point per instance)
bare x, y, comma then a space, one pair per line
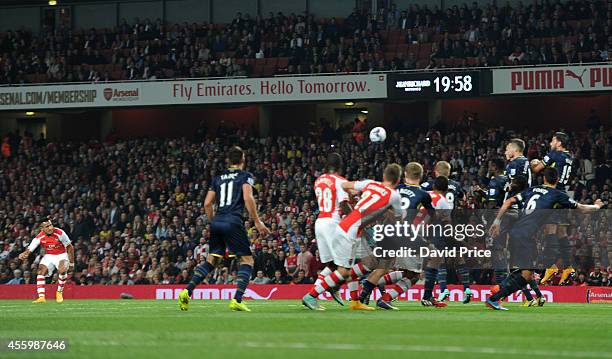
535, 204
232, 191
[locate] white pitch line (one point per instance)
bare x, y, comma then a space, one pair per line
426, 348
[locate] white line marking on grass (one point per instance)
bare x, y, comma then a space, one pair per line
426, 348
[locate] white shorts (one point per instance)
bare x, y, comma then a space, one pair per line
325, 230
345, 248
413, 264
363, 249
52, 261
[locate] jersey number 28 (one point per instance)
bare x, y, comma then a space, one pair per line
324, 197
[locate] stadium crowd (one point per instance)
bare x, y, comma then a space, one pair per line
134, 208
545, 32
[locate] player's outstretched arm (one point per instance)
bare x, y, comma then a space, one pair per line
589, 208
249, 202
348, 186
494, 230
70, 250
208, 204
33, 245
354, 187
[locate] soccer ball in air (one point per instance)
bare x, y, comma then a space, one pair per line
378, 134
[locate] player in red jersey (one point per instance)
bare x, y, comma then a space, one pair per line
376, 199
333, 204
59, 253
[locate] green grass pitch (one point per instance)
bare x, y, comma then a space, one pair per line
285, 329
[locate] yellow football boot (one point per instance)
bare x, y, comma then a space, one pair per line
549, 273
183, 299
529, 303
238, 307
565, 275
357, 305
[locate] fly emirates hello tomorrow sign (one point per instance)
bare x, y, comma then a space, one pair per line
194, 91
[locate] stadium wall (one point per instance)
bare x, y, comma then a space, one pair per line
12, 18
199, 10
537, 113
294, 292
406, 117
156, 122
94, 15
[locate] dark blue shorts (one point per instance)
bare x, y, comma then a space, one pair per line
523, 250
229, 233
559, 217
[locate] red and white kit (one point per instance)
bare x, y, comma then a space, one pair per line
329, 192
437, 202
55, 248
376, 198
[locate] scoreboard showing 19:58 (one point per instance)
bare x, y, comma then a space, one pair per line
431, 85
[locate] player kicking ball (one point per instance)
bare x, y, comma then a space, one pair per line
376, 199
232, 191
59, 253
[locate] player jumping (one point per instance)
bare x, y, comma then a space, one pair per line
443, 208
560, 159
533, 203
59, 254
454, 194
232, 191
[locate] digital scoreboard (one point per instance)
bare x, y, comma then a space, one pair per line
432, 85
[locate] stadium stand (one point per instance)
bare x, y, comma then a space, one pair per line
134, 209
393, 39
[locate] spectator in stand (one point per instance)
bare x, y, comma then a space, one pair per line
291, 262
606, 281
260, 278
17, 278
279, 278
154, 224
595, 277
487, 36
304, 259
6, 148
581, 280
301, 278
